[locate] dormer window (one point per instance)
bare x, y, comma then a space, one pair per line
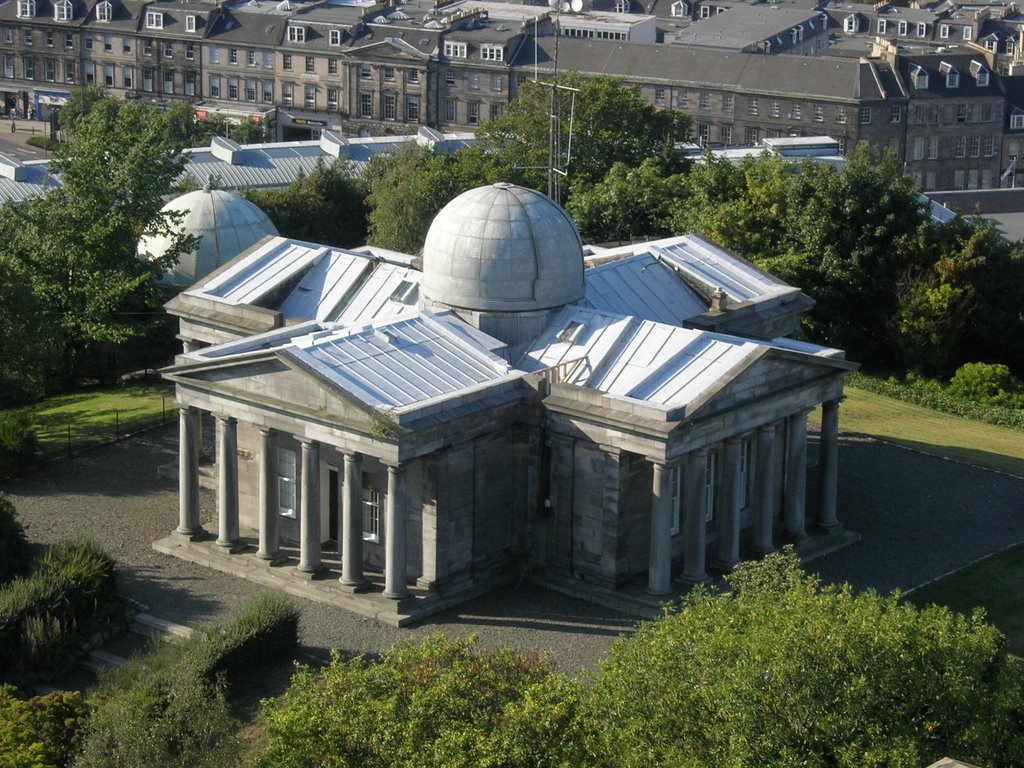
1017, 119
296, 33
622, 6
882, 26
951, 73
491, 52
980, 74
154, 20
920, 77
944, 31
922, 29
334, 37
1009, 45
680, 10
26, 9
968, 33
901, 29
991, 44
190, 23
851, 23
455, 50
104, 11
62, 10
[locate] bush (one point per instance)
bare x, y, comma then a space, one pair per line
266, 629
151, 713
787, 672
441, 703
41, 732
42, 142
44, 616
15, 553
18, 442
987, 383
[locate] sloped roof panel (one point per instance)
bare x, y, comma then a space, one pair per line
641, 286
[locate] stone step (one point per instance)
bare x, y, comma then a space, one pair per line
152, 626
99, 661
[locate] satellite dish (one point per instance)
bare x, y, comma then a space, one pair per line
564, 6
577, 6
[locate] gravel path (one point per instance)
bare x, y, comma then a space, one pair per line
920, 517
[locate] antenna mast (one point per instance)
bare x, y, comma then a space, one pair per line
555, 135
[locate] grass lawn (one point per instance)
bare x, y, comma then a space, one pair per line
866, 413
96, 415
993, 584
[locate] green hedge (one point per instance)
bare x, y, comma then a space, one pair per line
43, 731
938, 400
43, 616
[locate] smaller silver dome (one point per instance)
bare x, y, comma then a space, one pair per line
226, 225
502, 248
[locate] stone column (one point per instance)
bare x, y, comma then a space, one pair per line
352, 524
227, 482
732, 499
394, 535
828, 466
188, 473
309, 508
659, 569
269, 526
795, 499
694, 524
764, 490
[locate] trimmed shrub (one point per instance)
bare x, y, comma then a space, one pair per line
41, 732
987, 383
265, 629
15, 553
18, 443
89, 571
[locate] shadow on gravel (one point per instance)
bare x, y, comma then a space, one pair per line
153, 590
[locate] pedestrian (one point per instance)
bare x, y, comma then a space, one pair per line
12, 126
32, 113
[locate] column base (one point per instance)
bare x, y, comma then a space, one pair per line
353, 587
724, 566
831, 529
271, 559
232, 547
404, 593
198, 534
309, 573
658, 592
692, 580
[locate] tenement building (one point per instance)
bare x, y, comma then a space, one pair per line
396, 435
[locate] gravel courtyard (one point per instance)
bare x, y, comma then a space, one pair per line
920, 517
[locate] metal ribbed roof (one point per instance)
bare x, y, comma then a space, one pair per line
266, 268
714, 268
401, 363
643, 287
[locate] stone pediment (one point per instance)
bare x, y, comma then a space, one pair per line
274, 381
390, 50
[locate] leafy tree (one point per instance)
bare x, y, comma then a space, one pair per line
41, 732
786, 672
23, 356
609, 122
79, 103
184, 129
405, 190
442, 703
76, 245
988, 383
328, 206
628, 204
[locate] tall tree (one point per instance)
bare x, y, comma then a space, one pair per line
787, 672
76, 244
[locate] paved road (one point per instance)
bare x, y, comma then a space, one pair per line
920, 518
15, 143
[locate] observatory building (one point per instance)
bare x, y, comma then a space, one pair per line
614, 423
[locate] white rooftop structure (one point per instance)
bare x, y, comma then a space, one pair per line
24, 179
226, 225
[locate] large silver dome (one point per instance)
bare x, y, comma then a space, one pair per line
226, 225
502, 248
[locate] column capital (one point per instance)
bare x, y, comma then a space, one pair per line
698, 453
226, 419
766, 428
268, 432
735, 439
307, 441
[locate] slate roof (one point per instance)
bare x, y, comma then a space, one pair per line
819, 77
747, 25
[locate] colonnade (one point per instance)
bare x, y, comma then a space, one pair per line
310, 563
693, 467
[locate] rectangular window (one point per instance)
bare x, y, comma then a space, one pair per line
895, 114
250, 90
168, 51
727, 102
371, 497
961, 147
334, 37
190, 51
332, 99
214, 87
49, 70
817, 113
29, 67
412, 109
752, 106
659, 95
309, 97
773, 110
388, 102
69, 39
168, 82
389, 73
490, 52
233, 88
268, 91
974, 146
455, 50
310, 65
287, 481
108, 43
703, 133
268, 60
250, 58
919, 147
286, 94
28, 37
944, 31
365, 72
751, 136
472, 112
126, 46
286, 61
933, 147
449, 76
987, 145
8, 66
89, 70
865, 115
704, 100
796, 111
682, 99
190, 23
726, 131
147, 80
412, 75
296, 34
190, 83
86, 41
958, 179
495, 82
48, 38
332, 66
449, 110
472, 80
961, 113
154, 20
496, 110
366, 105
108, 75
215, 55
968, 34
232, 55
